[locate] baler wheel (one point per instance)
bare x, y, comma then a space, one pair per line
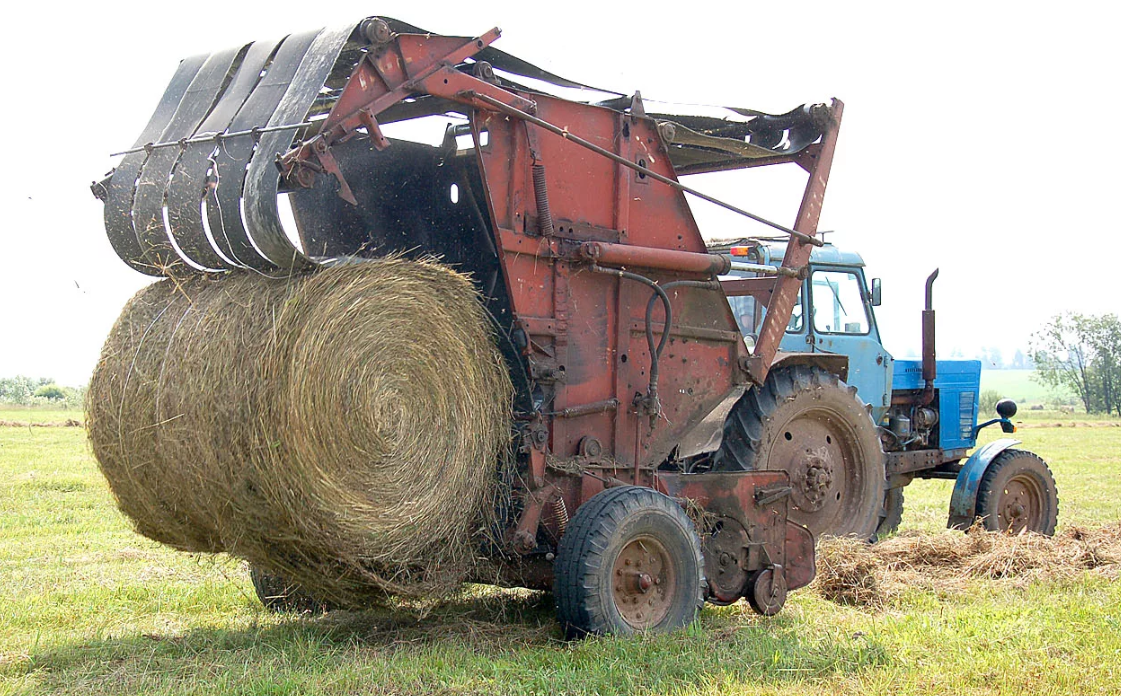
630, 561
767, 592
1017, 493
283, 597
807, 422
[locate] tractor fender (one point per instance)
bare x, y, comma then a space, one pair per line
963, 502
830, 362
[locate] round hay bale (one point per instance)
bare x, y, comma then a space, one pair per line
341, 429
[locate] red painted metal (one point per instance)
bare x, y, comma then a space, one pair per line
818, 163
757, 501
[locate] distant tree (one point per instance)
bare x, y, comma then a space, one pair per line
51, 391
957, 353
1019, 361
1082, 353
996, 359
17, 390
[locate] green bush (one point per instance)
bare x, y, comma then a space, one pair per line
989, 397
51, 391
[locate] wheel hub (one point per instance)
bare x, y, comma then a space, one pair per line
1020, 506
826, 477
644, 583
817, 476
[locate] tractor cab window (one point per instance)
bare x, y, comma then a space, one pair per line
749, 315
838, 303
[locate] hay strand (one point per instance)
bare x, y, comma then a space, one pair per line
854, 573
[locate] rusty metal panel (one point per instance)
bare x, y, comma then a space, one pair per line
748, 530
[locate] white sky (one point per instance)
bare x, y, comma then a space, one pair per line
976, 138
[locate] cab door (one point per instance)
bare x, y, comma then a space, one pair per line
842, 322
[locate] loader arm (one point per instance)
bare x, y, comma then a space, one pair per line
781, 292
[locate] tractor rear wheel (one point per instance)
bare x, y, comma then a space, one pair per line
1017, 493
893, 513
281, 596
809, 423
630, 561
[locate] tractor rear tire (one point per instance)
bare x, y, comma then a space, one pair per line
1017, 493
283, 597
807, 422
630, 561
893, 513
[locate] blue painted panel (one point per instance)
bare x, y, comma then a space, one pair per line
959, 397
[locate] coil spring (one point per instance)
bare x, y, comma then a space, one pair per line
541, 194
560, 513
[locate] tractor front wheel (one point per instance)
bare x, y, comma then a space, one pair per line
1017, 493
630, 561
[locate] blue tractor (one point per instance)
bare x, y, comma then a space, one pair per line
853, 426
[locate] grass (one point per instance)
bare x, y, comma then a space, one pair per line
87, 606
1017, 385
16, 414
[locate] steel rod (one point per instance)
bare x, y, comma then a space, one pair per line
765, 270
211, 137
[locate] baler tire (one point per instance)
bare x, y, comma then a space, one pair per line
658, 554
801, 421
1018, 492
893, 513
283, 597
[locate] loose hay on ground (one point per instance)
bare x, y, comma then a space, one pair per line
854, 573
342, 429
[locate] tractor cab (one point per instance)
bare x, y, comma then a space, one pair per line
833, 314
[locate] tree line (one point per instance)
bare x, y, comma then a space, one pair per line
1082, 353
26, 391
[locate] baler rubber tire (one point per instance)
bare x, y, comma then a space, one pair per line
588, 587
1026, 477
824, 408
893, 513
283, 597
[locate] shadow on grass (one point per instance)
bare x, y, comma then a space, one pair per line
496, 642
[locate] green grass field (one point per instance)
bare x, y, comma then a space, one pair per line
1019, 386
87, 606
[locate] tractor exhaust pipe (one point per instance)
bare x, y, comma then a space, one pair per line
929, 362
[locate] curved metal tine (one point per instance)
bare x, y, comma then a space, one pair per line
188, 185
122, 187
223, 201
262, 180
147, 206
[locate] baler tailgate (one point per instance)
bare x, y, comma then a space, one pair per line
122, 185
184, 214
226, 123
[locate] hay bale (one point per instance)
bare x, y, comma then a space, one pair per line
341, 429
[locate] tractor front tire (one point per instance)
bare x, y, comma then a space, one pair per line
1018, 493
630, 561
807, 422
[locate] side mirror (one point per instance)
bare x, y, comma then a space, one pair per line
876, 292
